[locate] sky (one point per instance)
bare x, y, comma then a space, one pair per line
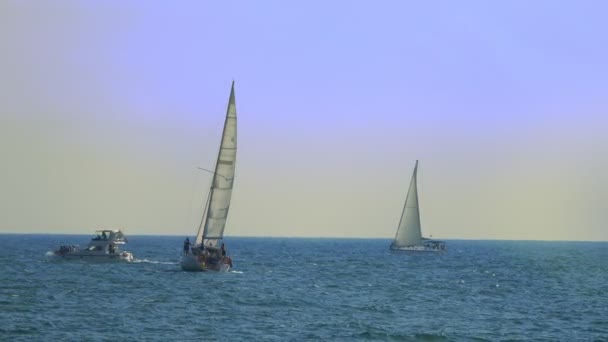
107, 108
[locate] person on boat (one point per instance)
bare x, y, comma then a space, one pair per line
104, 236
228, 261
223, 250
187, 246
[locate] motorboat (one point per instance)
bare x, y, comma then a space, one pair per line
105, 246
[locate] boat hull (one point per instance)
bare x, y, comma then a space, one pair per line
191, 263
119, 257
417, 249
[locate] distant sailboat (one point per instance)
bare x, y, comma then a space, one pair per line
208, 252
409, 233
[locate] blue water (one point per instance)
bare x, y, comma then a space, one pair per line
308, 289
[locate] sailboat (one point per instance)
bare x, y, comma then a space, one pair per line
208, 252
409, 233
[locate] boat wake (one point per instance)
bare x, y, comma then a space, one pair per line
146, 261
236, 272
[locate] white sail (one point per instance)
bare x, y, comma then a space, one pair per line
409, 231
223, 179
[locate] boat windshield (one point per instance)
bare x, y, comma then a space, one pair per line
102, 235
105, 234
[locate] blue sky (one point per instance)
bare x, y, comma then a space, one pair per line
108, 107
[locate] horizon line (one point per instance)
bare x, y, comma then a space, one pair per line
320, 237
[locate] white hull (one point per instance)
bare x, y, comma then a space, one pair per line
121, 257
417, 249
191, 263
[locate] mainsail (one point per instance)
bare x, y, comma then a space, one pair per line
220, 192
409, 232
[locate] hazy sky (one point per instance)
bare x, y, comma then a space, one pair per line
108, 107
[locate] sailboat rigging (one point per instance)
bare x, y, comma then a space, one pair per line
205, 254
409, 233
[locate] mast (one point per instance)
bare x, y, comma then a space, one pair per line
223, 177
199, 233
418, 203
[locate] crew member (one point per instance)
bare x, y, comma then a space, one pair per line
187, 246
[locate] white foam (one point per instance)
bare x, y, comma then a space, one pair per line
155, 262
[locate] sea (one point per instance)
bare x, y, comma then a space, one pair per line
297, 289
